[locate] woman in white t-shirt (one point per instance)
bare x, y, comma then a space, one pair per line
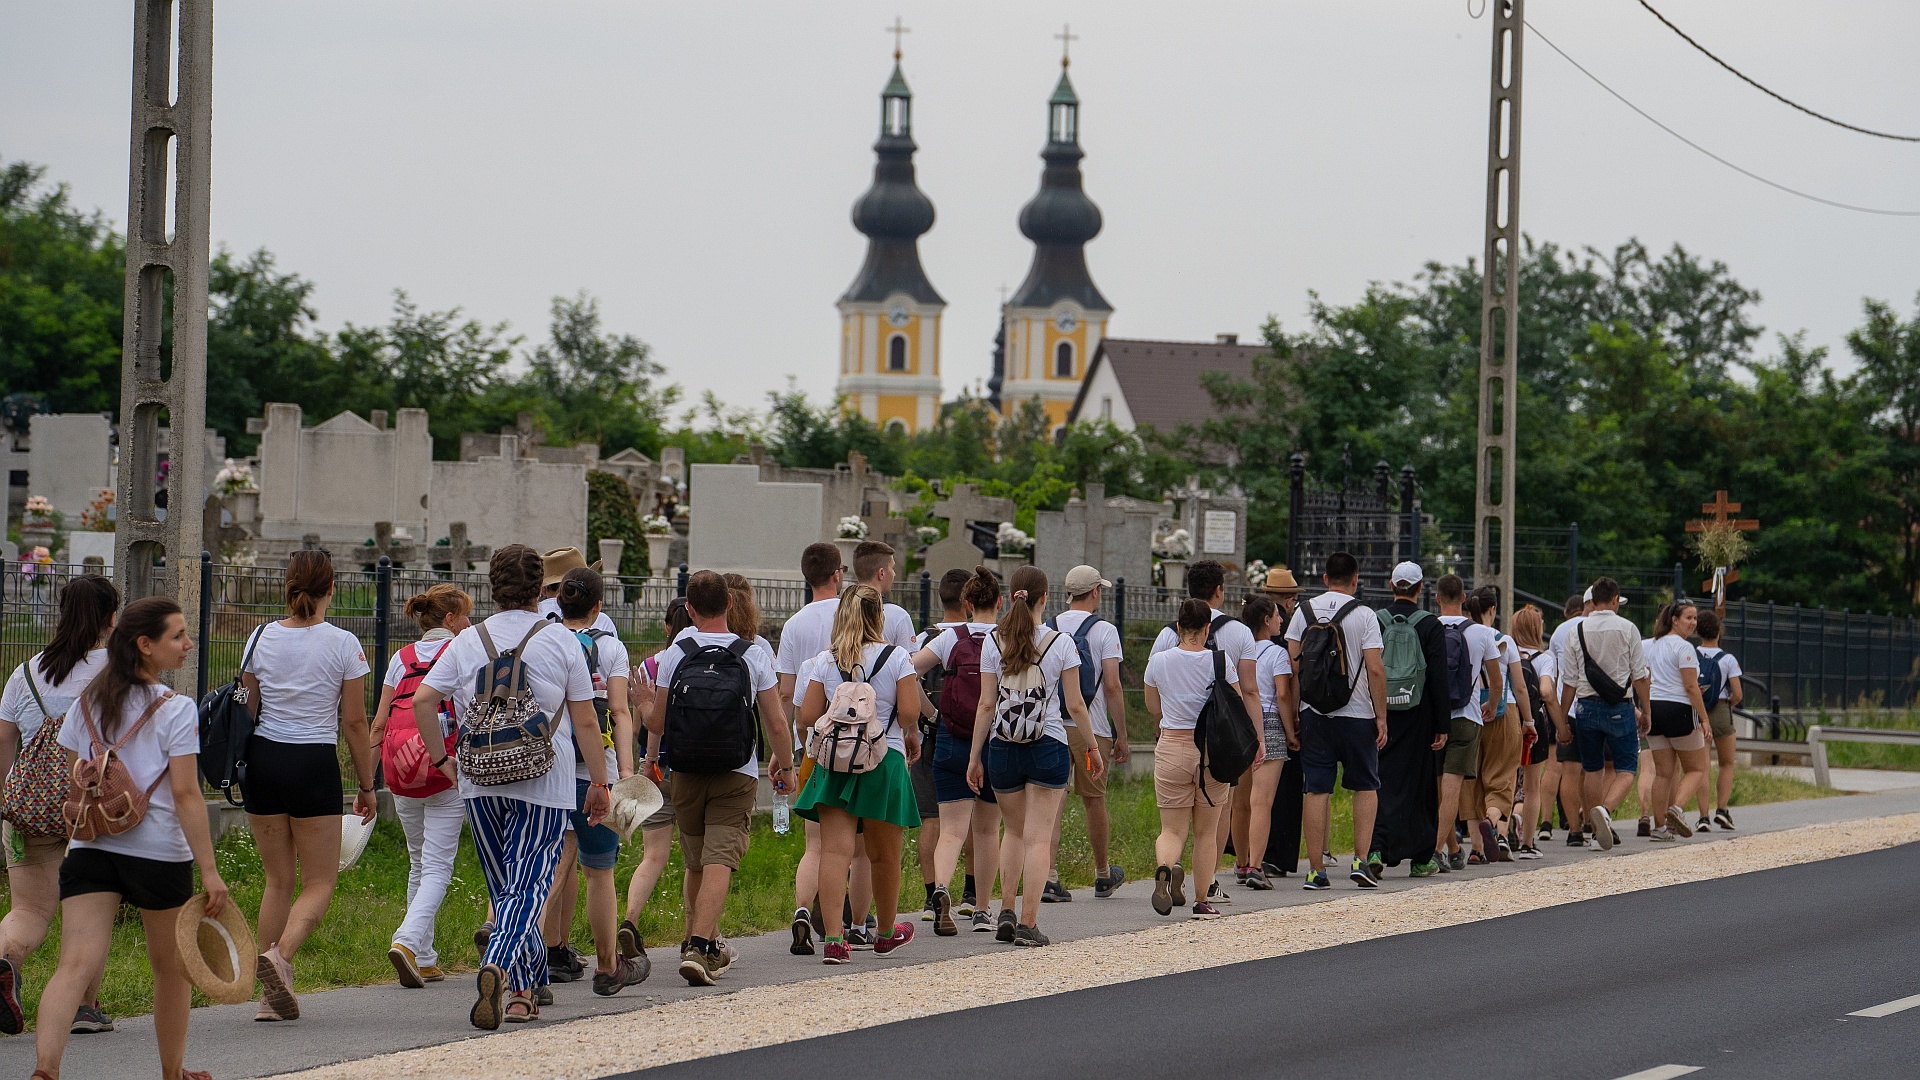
1487, 800
305, 679
1029, 779
431, 813
1680, 732
1178, 682
878, 803
42, 689
149, 866
1279, 726
1539, 778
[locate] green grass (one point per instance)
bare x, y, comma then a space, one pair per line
350, 947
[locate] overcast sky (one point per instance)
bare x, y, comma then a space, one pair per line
693, 165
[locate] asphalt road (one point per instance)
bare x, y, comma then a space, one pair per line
1750, 976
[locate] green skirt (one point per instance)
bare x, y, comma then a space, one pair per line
882, 794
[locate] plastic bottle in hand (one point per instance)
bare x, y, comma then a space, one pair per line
780, 815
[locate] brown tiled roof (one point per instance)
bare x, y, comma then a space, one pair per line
1161, 379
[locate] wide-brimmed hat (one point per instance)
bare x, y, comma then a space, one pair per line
1280, 580
555, 564
217, 953
354, 835
635, 799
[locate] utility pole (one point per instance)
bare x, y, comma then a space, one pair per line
168, 188
1494, 460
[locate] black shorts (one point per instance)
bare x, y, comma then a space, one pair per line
1543, 745
921, 773
1672, 719
148, 884
296, 779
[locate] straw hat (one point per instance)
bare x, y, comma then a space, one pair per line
354, 835
635, 799
555, 564
217, 953
1280, 580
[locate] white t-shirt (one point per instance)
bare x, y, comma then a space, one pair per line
556, 672
807, 633
1557, 644
942, 643
899, 628
1667, 656
1103, 641
1482, 645
614, 664
1362, 628
550, 607
1272, 661
1509, 656
1545, 665
1184, 680
760, 673
17, 706
885, 681
300, 670
1060, 657
173, 732
1233, 638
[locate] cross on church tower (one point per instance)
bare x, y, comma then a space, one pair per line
898, 30
1066, 37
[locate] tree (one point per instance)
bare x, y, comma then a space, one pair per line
1889, 354
62, 286
597, 387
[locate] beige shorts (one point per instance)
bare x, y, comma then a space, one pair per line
1177, 776
1720, 717
1692, 740
1084, 785
663, 817
713, 810
38, 850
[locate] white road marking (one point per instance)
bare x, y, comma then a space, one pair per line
1661, 1072
1891, 1007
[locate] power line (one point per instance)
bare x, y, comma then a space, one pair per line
1777, 97
1744, 172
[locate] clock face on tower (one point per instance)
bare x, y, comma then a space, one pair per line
898, 315
1065, 322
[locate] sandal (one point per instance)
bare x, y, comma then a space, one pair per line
521, 1008
1476, 859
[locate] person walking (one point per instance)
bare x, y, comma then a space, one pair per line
427, 803
154, 734
1488, 799
306, 683
806, 634
1179, 681
656, 832
1679, 732
1282, 854
1474, 675
1543, 694
39, 693
518, 824
1419, 721
1725, 673
1280, 735
879, 802
1097, 641
1605, 671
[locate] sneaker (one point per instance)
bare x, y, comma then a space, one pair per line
1703, 825
543, 995
859, 937
696, 966
1677, 822
1180, 885
1616, 836
1457, 860
1216, 894
1723, 818
1204, 910
631, 944
1239, 874
926, 913
1443, 861
902, 934
1529, 852
1502, 850
1489, 840
1361, 875
967, 906
1258, 881
722, 956
406, 966
1273, 869
1163, 890
802, 933
837, 953
1602, 823
1576, 838
943, 924
1646, 826
1030, 937
1053, 893
89, 1020
13, 1018
481, 936
1377, 865
563, 966
432, 973
276, 987
1004, 930
1546, 832
1661, 835
626, 972
1591, 844
1107, 886
1425, 869
1316, 880
492, 985
982, 921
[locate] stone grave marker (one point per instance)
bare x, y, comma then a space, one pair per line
964, 505
457, 554
738, 522
399, 551
69, 460
1115, 536
510, 499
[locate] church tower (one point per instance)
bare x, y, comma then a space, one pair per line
890, 315
1054, 321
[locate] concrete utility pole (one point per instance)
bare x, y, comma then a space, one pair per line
1494, 462
167, 244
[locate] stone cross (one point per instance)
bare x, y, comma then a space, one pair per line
399, 552
460, 555
965, 504
218, 535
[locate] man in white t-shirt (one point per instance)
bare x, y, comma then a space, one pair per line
1107, 708
1460, 761
809, 631
1350, 736
873, 565
713, 810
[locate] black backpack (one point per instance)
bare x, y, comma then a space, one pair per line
1532, 678
1598, 681
1461, 675
602, 710
1328, 669
1089, 667
1224, 733
710, 716
226, 726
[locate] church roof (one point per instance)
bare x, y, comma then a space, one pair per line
894, 212
1161, 379
1060, 218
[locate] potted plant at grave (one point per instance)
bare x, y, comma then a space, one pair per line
1016, 547
235, 485
1173, 549
38, 522
98, 516
852, 531
927, 535
659, 533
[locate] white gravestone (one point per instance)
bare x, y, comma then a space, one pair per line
957, 551
80, 545
738, 522
336, 479
508, 499
70, 461
1115, 536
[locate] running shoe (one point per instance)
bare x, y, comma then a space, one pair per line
1180, 885
982, 921
1590, 844
1703, 825
626, 972
1361, 875
1602, 823
1030, 937
1273, 869
1107, 886
696, 966
967, 905
543, 995
1723, 818
1377, 865
1054, 893
1425, 869
562, 965
1503, 850
1529, 852
1003, 931
902, 934
1646, 826
837, 953
631, 944
89, 1020
1546, 832
1258, 881
277, 1001
13, 1018
1576, 838
859, 937
802, 933
1163, 890
1677, 822
1216, 894
1240, 874
1204, 910
1661, 835
1457, 860
943, 924
926, 913
1316, 880
722, 956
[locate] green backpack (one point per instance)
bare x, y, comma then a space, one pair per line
1404, 659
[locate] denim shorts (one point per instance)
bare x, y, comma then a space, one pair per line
1350, 742
1011, 767
950, 757
1606, 732
599, 845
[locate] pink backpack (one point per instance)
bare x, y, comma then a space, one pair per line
851, 737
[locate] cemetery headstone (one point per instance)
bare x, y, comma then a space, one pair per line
1115, 535
739, 522
70, 460
510, 499
339, 477
961, 508
85, 546
1217, 522
457, 554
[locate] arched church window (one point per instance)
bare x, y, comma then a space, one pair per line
897, 353
1063, 360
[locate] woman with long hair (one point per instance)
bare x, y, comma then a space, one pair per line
1030, 778
878, 803
306, 683
1488, 799
43, 689
149, 866
1539, 771
1279, 729
1681, 728
1178, 682
432, 821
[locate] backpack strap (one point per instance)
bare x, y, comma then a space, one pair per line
152, 707
741, 645
27, 670
486, 640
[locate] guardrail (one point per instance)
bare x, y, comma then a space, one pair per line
1818, 737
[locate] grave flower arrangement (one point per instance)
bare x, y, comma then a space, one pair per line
1256, 572
1013, 540
1177, 544
655, 525
98, 516
38, 512
927, 534
234, 477
852, 528
34, 562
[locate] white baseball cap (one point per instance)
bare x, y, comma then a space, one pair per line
1588, 596
1408, 573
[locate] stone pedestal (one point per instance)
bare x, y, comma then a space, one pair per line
846, 547
658, 549
611, 552
35, 534
1173, 574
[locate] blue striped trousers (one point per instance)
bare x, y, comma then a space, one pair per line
519, 845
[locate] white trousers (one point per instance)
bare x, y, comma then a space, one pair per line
432, 826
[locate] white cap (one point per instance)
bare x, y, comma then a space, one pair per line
1408, 573
1588, 596
1082, 580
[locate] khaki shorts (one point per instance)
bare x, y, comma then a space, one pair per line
712, 810
1463, 750
1720, 718
1177, 775
1692, 740
663, 817
1084, 785
37, 850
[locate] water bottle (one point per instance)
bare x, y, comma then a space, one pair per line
780, 821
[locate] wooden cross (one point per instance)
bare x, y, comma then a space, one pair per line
1066, 38
1720, 508
897, 30
458, 554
